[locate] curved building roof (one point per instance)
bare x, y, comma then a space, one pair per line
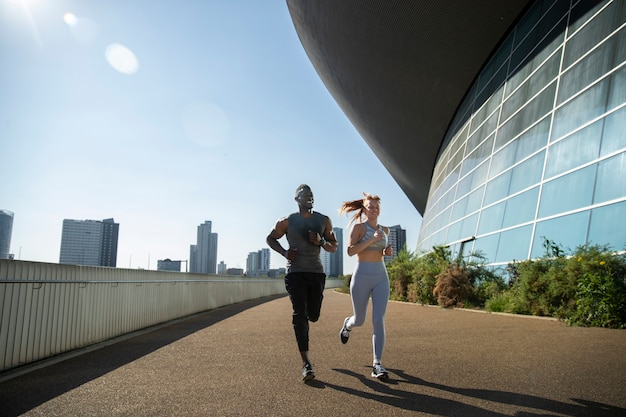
399, 69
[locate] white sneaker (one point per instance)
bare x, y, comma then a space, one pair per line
344, 334
379, 371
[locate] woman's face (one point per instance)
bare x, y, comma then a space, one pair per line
372, 208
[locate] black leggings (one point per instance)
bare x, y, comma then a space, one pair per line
306, 291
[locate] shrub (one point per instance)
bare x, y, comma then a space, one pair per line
401, 271
600, 291
453, 287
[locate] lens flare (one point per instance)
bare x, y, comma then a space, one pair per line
122, 59
70, 19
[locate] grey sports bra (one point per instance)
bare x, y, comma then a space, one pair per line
369, 233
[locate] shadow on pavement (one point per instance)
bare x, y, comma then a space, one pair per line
388, 393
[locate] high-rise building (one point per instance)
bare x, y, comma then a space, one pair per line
332, 262
203, 255
325, 260
336, 258
168, 265
6, 229
258, 263
89, 242
221, 268
252, 262
397, 240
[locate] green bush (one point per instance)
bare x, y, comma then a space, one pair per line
401, 271
586, 288
600, 293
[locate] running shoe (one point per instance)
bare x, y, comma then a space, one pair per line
344, 334
379, 371
307, 372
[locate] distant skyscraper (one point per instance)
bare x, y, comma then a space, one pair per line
252, 262
332, 262
6, 229
264, 260
221, 268
258, 263
336, 258
168, 265
325, 260
397, 240
89, 242
203, 255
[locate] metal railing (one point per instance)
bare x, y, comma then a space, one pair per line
49, 309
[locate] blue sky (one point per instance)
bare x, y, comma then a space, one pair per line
164, 114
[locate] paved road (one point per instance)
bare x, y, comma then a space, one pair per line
242, 360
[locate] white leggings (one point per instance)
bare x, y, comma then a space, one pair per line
370, 278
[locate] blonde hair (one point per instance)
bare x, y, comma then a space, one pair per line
358, 206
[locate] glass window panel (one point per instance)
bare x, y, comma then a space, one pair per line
606, 226
478, 156
468, 227
533, 140
568, 231
614, 136
472, 180
578, 149
617, 95
487, 245
569, 192
439, 238
454, 232
536, 82
620, 55
474, 200
580, 110
514, 244
481, 133
497, 188
491, 218
585, 72
521, 208
534, 110
503, 159
544, 38
611, 182
489, 107
459, 209
581, 12
592, 33
527, 173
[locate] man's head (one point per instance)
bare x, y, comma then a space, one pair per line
304, 196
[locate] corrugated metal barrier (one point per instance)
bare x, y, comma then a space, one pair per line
48, 309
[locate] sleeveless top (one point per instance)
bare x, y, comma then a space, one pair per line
307, 258
369, 233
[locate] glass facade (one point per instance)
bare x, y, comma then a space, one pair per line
537, 150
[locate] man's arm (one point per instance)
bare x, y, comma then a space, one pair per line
279, 230
331, 240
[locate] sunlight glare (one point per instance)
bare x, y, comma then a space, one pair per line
206, 124
84, 30
122, 59
70, 19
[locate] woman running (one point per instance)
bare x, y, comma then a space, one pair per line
369, 242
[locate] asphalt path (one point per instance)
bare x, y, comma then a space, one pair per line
242, 360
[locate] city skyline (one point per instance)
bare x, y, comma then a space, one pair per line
197, 110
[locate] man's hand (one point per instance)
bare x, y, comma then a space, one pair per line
315, 238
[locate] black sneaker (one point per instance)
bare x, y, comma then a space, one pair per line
344, 334
379, 371
307, 372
